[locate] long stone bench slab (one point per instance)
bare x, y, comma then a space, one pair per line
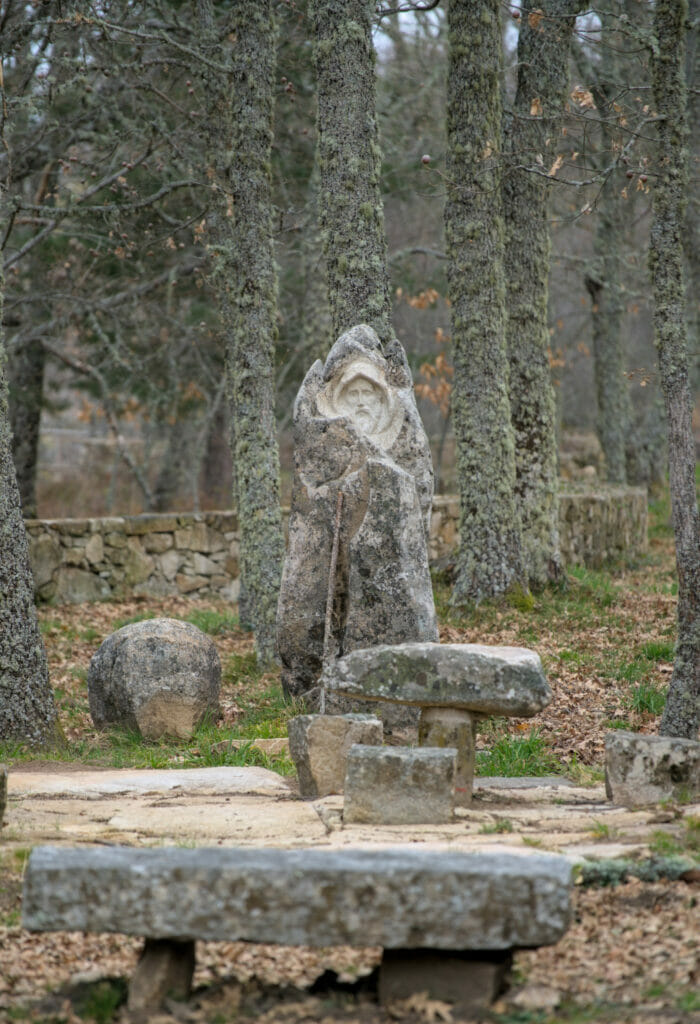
397, 898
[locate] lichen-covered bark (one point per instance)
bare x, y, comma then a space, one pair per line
27, 710
543, 51
603, 280
349, 157
240, 137
681, 715
692, 217
317, 332
26, 390
489, 561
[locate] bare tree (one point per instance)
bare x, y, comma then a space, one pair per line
533, 143
490, 556
349, 159
240, 97
681, 715
27, 709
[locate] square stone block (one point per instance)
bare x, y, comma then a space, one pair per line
319, 745
400, 785
642, 770
470, 980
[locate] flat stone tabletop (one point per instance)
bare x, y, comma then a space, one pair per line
473, 677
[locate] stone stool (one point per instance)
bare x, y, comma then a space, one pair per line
453, 684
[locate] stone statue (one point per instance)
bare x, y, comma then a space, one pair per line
362, 477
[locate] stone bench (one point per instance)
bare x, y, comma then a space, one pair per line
445, 919
453, 684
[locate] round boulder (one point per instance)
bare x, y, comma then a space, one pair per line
160, 676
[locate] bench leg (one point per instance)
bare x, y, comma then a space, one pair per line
451, 727
470, 979
165, 969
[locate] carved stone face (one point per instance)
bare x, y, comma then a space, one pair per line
359, 392
363, 402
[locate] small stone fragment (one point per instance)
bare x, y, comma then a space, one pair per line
642, 770
319, 745
164, 970
160, 676
399, 785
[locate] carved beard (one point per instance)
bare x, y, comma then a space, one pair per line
365, 419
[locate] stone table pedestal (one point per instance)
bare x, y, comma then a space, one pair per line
452, 727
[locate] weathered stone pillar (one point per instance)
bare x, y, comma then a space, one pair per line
452, 727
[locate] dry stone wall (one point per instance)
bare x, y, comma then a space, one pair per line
76, 560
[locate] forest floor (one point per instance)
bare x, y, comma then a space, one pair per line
606, 641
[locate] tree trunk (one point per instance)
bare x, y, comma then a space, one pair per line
26, 373
681, 715
489, 561
544, 45
240, 136
27, 710
692, 217
603, 281
316, 331
349, 157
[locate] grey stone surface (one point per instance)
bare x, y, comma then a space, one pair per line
319, 745
393, 897
487, 680
91, 784
641, 769
3, 791
160, 676
470, 982
356, 431
165, 970
452, 727
77, 586
399, 785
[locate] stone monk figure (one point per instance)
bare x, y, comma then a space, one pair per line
357, 432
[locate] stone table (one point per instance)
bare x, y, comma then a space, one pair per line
453, 684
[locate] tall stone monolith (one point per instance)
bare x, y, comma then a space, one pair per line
363, 472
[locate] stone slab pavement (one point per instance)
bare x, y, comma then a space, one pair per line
253, 806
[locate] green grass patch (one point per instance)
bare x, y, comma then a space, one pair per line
139, 617
603, 832
684, 843
499, 826
212, 621
658, 650
648, 697
514, 756
100, 1000
265, 715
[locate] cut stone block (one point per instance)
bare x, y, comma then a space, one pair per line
642, 770
160, 676
319, 745
399, 785
393, 897
474, 677
452, 727
165, 970
469, 980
